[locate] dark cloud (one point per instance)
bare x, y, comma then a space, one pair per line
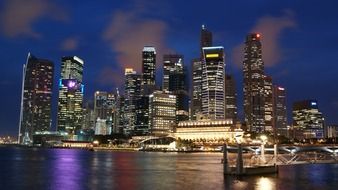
17, 17
270, 28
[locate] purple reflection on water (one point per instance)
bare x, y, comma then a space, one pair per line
67, 170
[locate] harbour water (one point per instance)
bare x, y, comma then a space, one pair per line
75, 169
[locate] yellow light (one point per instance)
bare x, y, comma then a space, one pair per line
212, 55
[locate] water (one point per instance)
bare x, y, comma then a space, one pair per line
73, 169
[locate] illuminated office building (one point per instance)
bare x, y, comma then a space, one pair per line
279, 111
230, 98
162, 112
132, 94
308, 121
213, 82
253, 78
148, 65
70, 95
174, 80
196, 95
36, 98
268, 104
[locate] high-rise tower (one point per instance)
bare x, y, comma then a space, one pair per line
230, 98
36, 100
253, 74
70, 95
148, 65
213, 82
196, 94
132, 93
279, 110
268, 104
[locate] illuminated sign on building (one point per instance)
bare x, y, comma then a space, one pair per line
214, 55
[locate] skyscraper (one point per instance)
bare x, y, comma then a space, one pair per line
279, 110
132, 93
206, 39
36, 98
196, 101
196, 95
230, 98
174, 80
213, 82
103, 110
162, 112
70, 95
172, 64
308, 121
148, 65
253, 74
268, 104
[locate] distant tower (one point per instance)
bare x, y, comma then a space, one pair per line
253, 74
148, 65
279, 107
206, 39
268, 104
70, 95
132, 93
196, 94
230, 98
174, 80
36, 100
213, 82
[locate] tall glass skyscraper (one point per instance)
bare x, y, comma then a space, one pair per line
279, 111
196, 101
174, 80
132, 92
268, 104
36, 98
148, 65
70, 95
213, 82
253, 74
230, 98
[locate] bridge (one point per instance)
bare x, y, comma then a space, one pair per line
285, 155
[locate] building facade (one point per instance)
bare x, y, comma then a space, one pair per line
213, 82
162, 112
70, 95
268, 104
230, 98
36, 98
308, 121
148, 65
253, 87
132, 92
280, 115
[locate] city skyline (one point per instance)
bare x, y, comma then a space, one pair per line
296, 60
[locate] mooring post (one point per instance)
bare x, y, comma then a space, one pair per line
239, 164
225, 159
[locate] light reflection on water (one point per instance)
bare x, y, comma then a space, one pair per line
81, 169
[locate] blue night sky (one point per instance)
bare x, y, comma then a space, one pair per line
300, 42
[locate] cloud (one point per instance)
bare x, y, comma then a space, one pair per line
18, 17
271, 29
70, 44
129, 31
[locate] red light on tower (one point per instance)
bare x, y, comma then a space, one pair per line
258, 35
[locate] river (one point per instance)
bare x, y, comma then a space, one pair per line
75, 169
